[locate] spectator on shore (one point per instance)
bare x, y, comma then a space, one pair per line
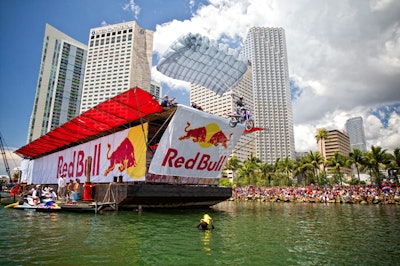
323, 194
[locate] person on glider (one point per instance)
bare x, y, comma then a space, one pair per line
205, 222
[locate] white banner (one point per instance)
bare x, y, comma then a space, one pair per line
195, 144
120, 154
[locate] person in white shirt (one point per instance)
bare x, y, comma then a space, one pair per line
62, 187
52, 194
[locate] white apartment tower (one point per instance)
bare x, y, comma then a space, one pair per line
355, 130
266, 50
156, 89
212, 103
119, 58
59, 85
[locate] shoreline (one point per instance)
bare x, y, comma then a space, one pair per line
315, 194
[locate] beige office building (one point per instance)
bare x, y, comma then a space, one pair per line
336, 141
119, 58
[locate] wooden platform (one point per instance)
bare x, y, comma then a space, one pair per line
92, 207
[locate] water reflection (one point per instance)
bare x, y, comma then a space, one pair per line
206, 240
245, 234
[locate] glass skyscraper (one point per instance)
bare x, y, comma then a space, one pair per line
59, 85
355, 130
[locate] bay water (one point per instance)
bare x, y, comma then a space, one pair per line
246, 233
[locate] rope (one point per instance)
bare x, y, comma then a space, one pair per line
108, 194
158, 131
141, 118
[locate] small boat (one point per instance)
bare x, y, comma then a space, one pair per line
47, 206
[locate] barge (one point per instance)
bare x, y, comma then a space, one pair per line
131, 152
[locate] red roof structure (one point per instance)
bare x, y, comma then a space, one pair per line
117, 111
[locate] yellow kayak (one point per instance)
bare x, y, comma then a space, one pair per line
11, 205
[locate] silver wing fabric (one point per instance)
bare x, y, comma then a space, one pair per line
194, 58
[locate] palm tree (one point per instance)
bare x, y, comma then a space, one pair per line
336, 162
301, 168
287, 167
315, 159
395, 164
357, 158
322, 135
395, 159
247, 173
377, 159
233, 165
266, 172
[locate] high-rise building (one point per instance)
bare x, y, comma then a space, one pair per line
156, 89
355, 130
59, 85
335, 141
212, 103
119, 58
266, 50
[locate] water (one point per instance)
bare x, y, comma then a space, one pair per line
246, 233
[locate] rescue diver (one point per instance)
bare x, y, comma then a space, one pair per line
205, 222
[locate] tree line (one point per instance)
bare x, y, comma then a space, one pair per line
314, 168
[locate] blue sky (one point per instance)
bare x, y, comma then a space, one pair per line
22, 24
343, 55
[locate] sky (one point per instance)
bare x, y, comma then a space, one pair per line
343, 55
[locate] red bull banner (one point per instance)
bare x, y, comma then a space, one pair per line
195, 144
119, 154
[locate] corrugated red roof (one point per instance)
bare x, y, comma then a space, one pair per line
119, 110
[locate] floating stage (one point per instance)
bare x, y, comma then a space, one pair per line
133, 195
162, 157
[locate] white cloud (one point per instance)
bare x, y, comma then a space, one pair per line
133, 8
343, 55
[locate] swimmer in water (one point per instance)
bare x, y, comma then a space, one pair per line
205, 222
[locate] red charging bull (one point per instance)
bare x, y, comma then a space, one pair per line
123, 155
207, 135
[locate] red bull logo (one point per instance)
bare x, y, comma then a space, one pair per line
207, 136
123, 155
200, 161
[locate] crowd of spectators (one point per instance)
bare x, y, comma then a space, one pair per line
365, 194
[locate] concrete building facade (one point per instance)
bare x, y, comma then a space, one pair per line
336, 141
119, 58
59, 85
156, 89
266, 50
